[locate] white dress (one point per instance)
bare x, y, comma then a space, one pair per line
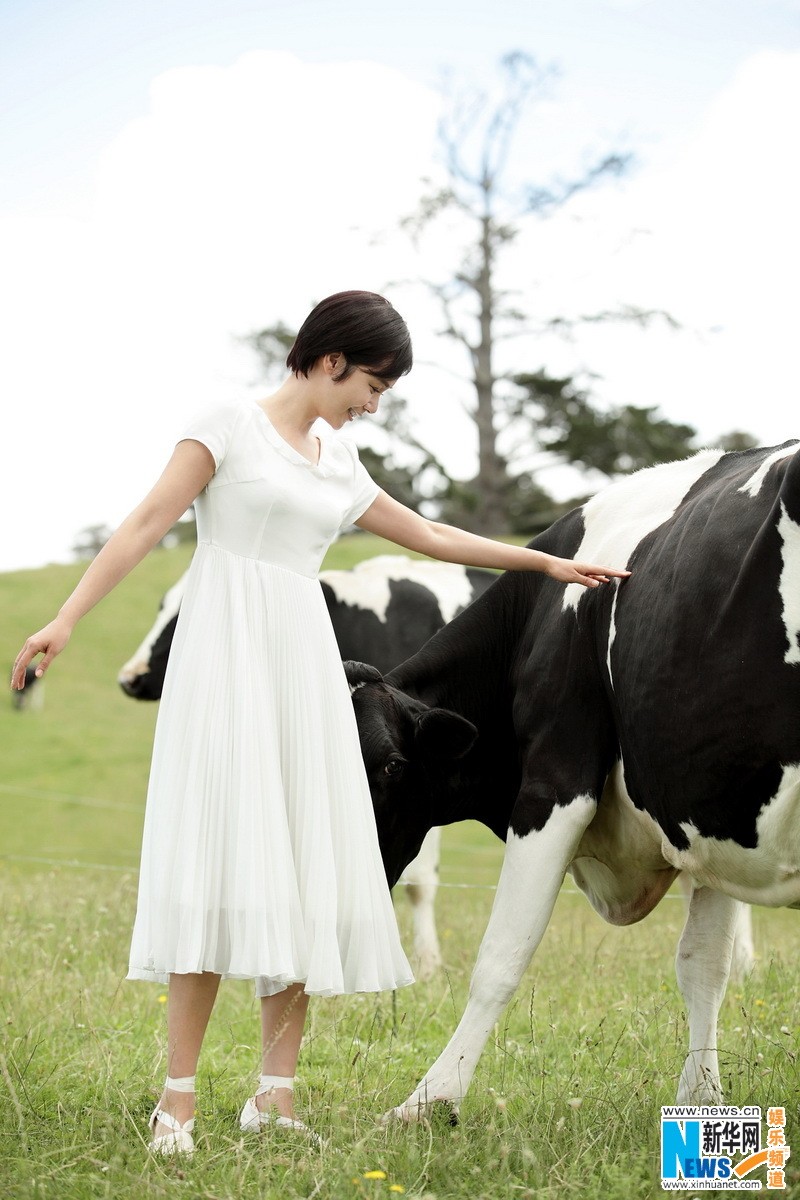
260, 855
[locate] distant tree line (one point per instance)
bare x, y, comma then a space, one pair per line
90, 541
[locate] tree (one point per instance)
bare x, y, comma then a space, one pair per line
90, 541
272, 345
615, 441
737, 439
511, 421
475, 137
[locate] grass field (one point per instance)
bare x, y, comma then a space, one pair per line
566, 1098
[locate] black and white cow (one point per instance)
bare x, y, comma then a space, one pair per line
31, 697
382, 610
623, 734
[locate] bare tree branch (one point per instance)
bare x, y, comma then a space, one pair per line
544, 201
627, 313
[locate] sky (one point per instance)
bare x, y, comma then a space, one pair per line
174, 175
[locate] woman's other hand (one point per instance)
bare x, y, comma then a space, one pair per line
49, 641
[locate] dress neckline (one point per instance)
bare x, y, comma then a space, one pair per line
288, 451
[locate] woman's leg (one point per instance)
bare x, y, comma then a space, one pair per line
191, 999
283, 1017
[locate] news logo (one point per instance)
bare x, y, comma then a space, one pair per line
718, 1147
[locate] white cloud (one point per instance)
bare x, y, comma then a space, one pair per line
243, 195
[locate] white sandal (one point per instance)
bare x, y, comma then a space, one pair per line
179, 1139
253, 1120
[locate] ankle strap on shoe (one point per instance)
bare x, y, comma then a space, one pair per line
184, 1084
268, 1083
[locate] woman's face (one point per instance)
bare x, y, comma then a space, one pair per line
355, 396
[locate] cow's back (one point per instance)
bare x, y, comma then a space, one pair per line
385, 608
703, 650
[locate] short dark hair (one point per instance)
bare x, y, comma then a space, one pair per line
362, 326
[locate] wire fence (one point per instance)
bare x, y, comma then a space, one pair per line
123, 868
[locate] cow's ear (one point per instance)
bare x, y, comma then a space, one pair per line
358, 673
443, 734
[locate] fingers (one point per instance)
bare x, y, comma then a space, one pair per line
33, 646
593, 576
604, 573
48, 642
44, 664
599, 574
25, 656
587, 574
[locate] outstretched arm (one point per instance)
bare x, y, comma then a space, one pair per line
392, 520
184, 477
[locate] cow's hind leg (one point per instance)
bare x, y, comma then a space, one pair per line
743, 959
703, 965
533, 871
744, 954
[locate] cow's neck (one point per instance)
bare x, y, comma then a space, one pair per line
466, 666
469, 668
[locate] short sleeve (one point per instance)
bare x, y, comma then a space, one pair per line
214, 428
364, 488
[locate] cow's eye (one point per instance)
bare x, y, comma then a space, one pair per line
394, 767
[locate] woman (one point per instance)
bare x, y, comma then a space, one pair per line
260, 856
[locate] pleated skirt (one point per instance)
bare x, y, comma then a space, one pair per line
260, 854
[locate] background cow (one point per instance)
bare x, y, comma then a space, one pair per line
31, 698
382, 610
624, 733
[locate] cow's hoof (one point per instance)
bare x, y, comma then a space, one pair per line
413, 1112
405, 1114
701, 1091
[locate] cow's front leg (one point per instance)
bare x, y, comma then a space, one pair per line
533, 871
703, 965
421, 878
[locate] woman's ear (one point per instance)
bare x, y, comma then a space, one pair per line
333, 364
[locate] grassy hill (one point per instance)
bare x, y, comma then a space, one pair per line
565, 1101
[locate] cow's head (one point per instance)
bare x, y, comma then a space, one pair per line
143, 675
410, 753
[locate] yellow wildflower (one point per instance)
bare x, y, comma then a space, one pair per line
395, 1187
374, 1175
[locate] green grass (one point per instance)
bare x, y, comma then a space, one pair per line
566, 1097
